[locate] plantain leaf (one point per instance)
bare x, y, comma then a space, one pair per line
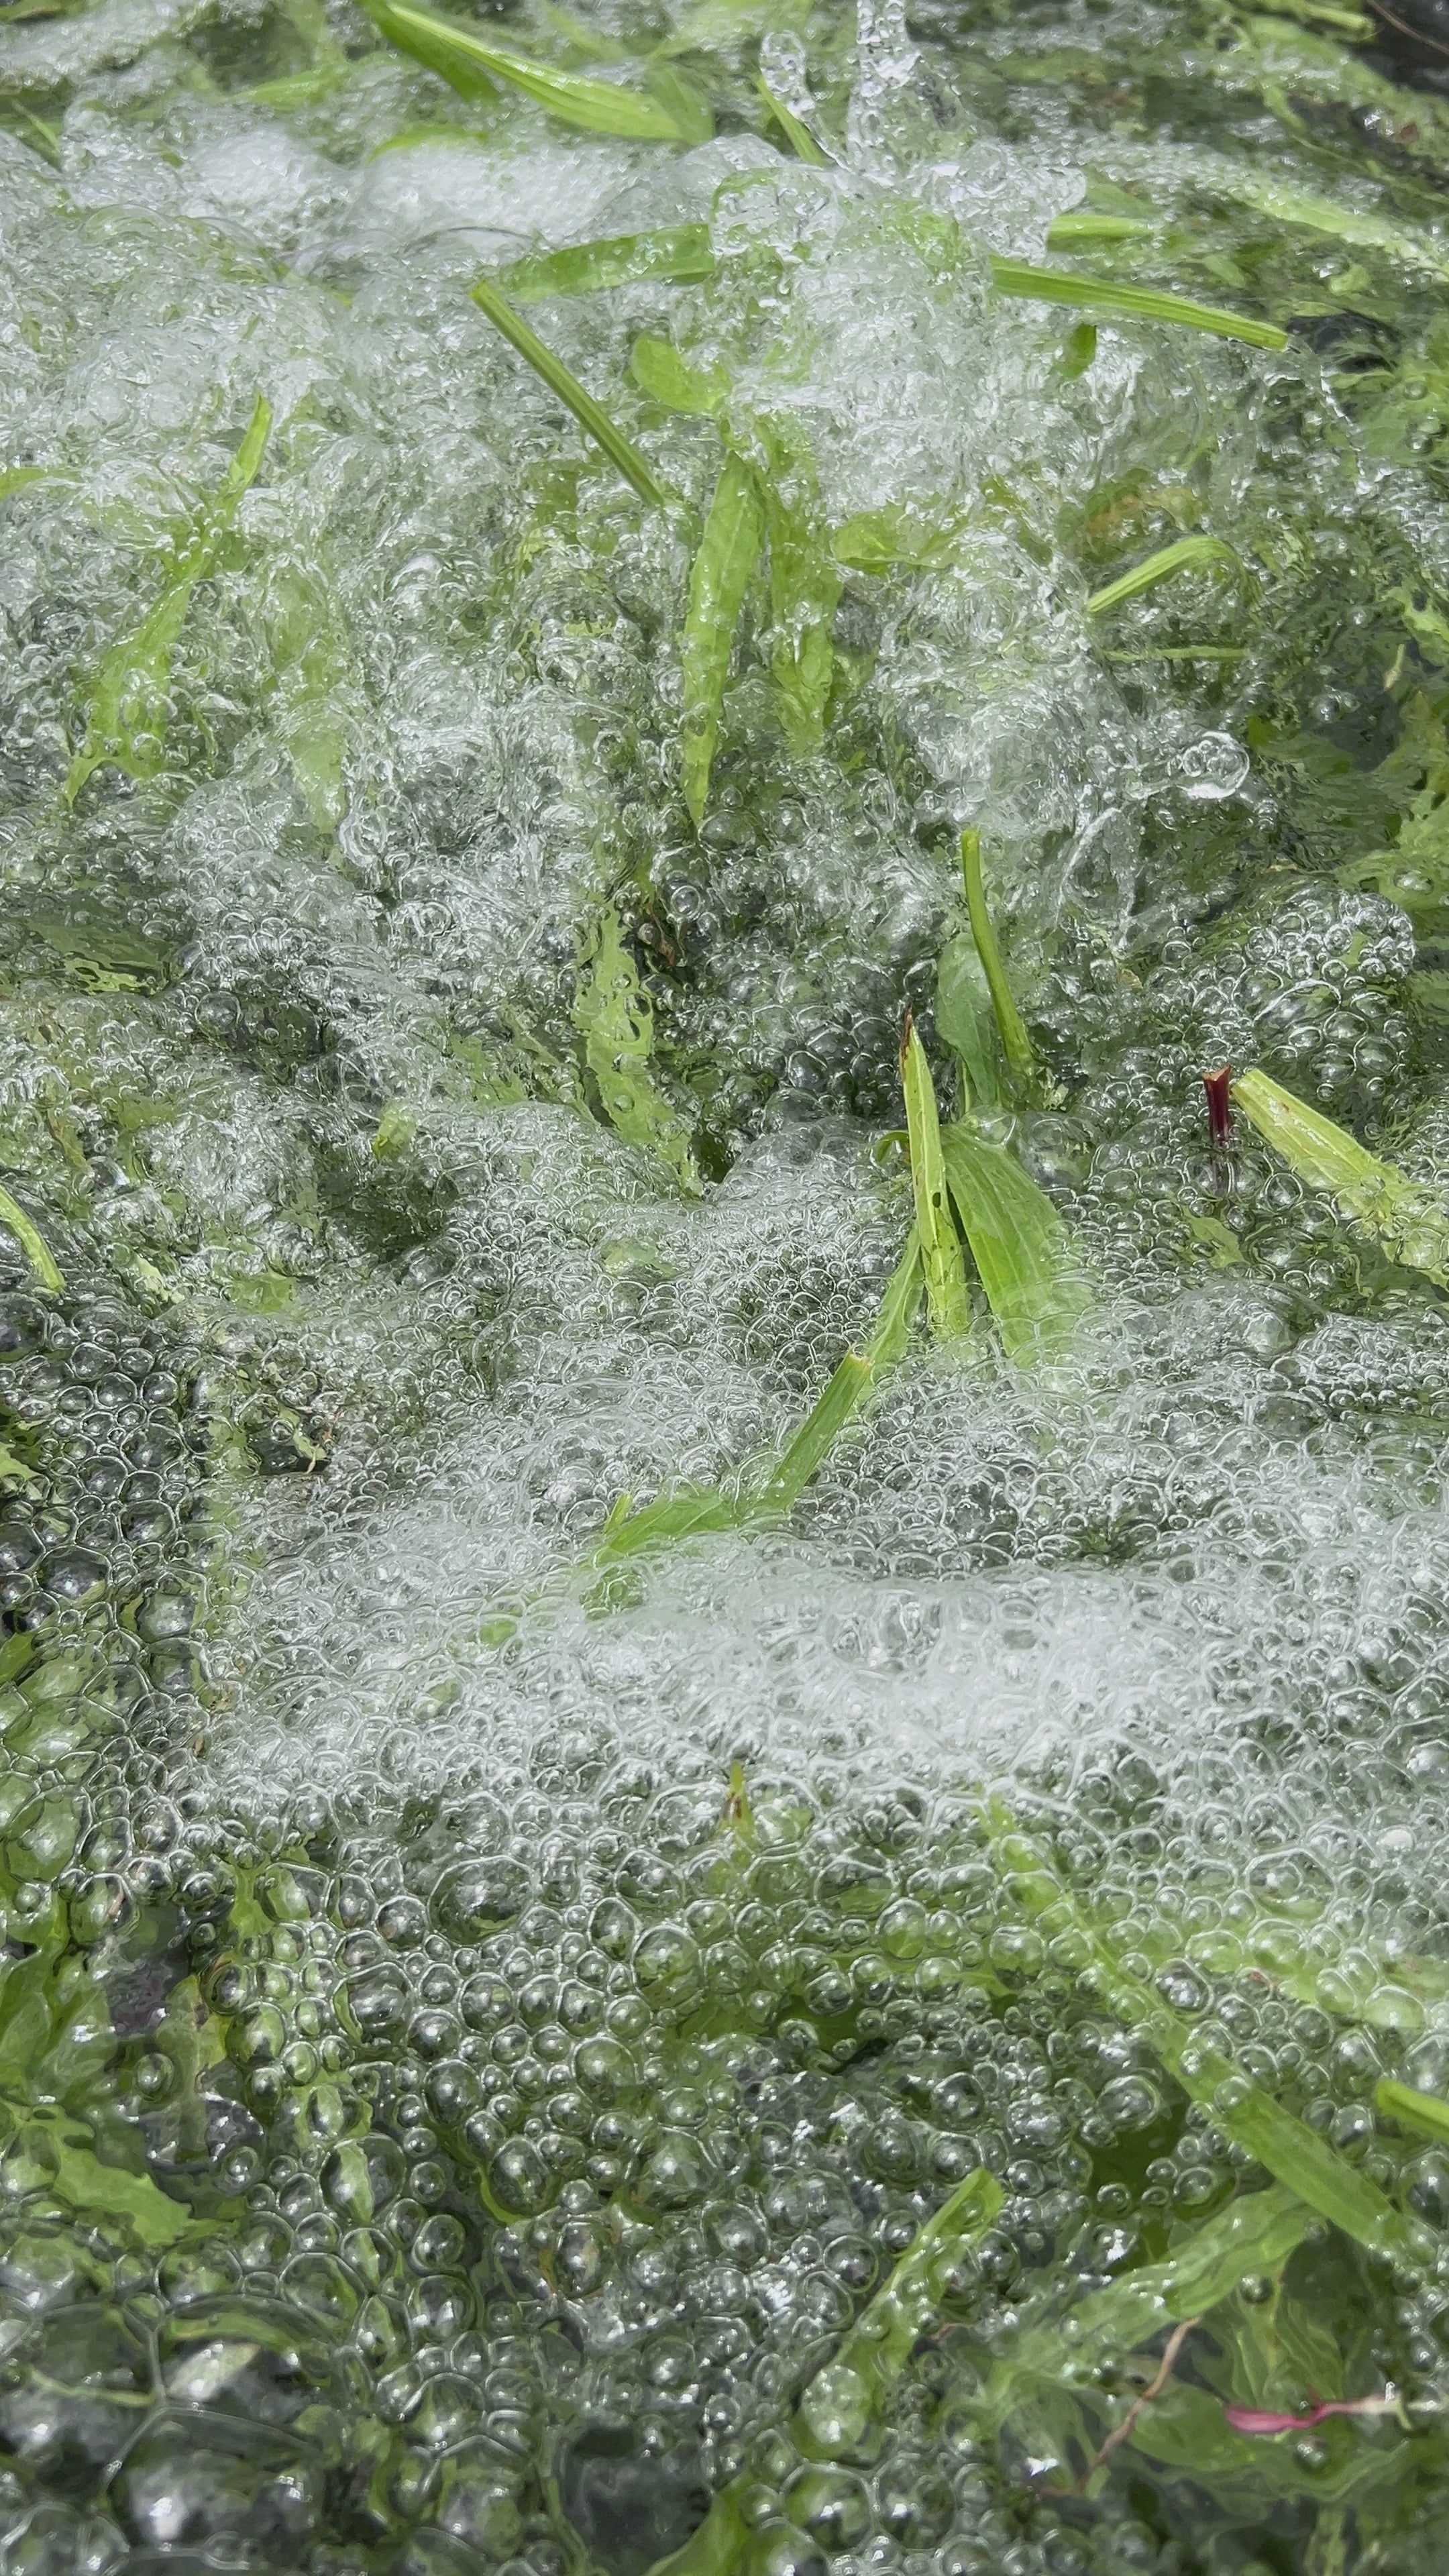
1410, 1223
947, 1304
624, 259
127, 723
590, 415
1019, 1245
471, 63
719, 578
616, 1024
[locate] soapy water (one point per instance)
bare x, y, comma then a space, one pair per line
504, 2115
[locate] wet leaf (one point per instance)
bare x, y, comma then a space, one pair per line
1016, 277
1019, 1244
590, 415
127, 723
942, 1267
1410, 1223
1187, 555
625, 259
614, 1019
471, 63
718, 580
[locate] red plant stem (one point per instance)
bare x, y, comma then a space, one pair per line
1220, 1114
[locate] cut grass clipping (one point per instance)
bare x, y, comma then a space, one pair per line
1410, 1224
1187, 555
719, 578
127, 721
473, 64
684, 251
589, 414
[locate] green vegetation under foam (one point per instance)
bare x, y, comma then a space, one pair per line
721, 1663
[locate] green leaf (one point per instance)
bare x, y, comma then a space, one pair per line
1015, 277
1410, 1223
1287, 205
719, 578
681, 98
32, 1243
1187, 553
127, 721
659, 371
796, 132
589, 414
839, 2402
1254, 2234
624, 259
1019, 1245
1293, 2153
1427, 2112
850, 1386
470, 62
805, 584
1016, 1046
947, 1304
966, 1020
96, 2190
1083, 230
900, 533
613, 1017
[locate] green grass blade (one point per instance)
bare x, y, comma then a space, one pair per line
1363, 231
805, 586
851, 1384
127, 719
966, 1021
1082, 230
900, 533
1293, 2153
1255, 2233
1181, 557
624, 259
1410, 1223
681, 98
1427, 2112
842, 2400
32, 1243
796, 132
697, 1511
947, 1304
659, 371
1016, 277
1019, 1245
613, 1017
719, 578
590, 415
1016, 1046
462, 57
